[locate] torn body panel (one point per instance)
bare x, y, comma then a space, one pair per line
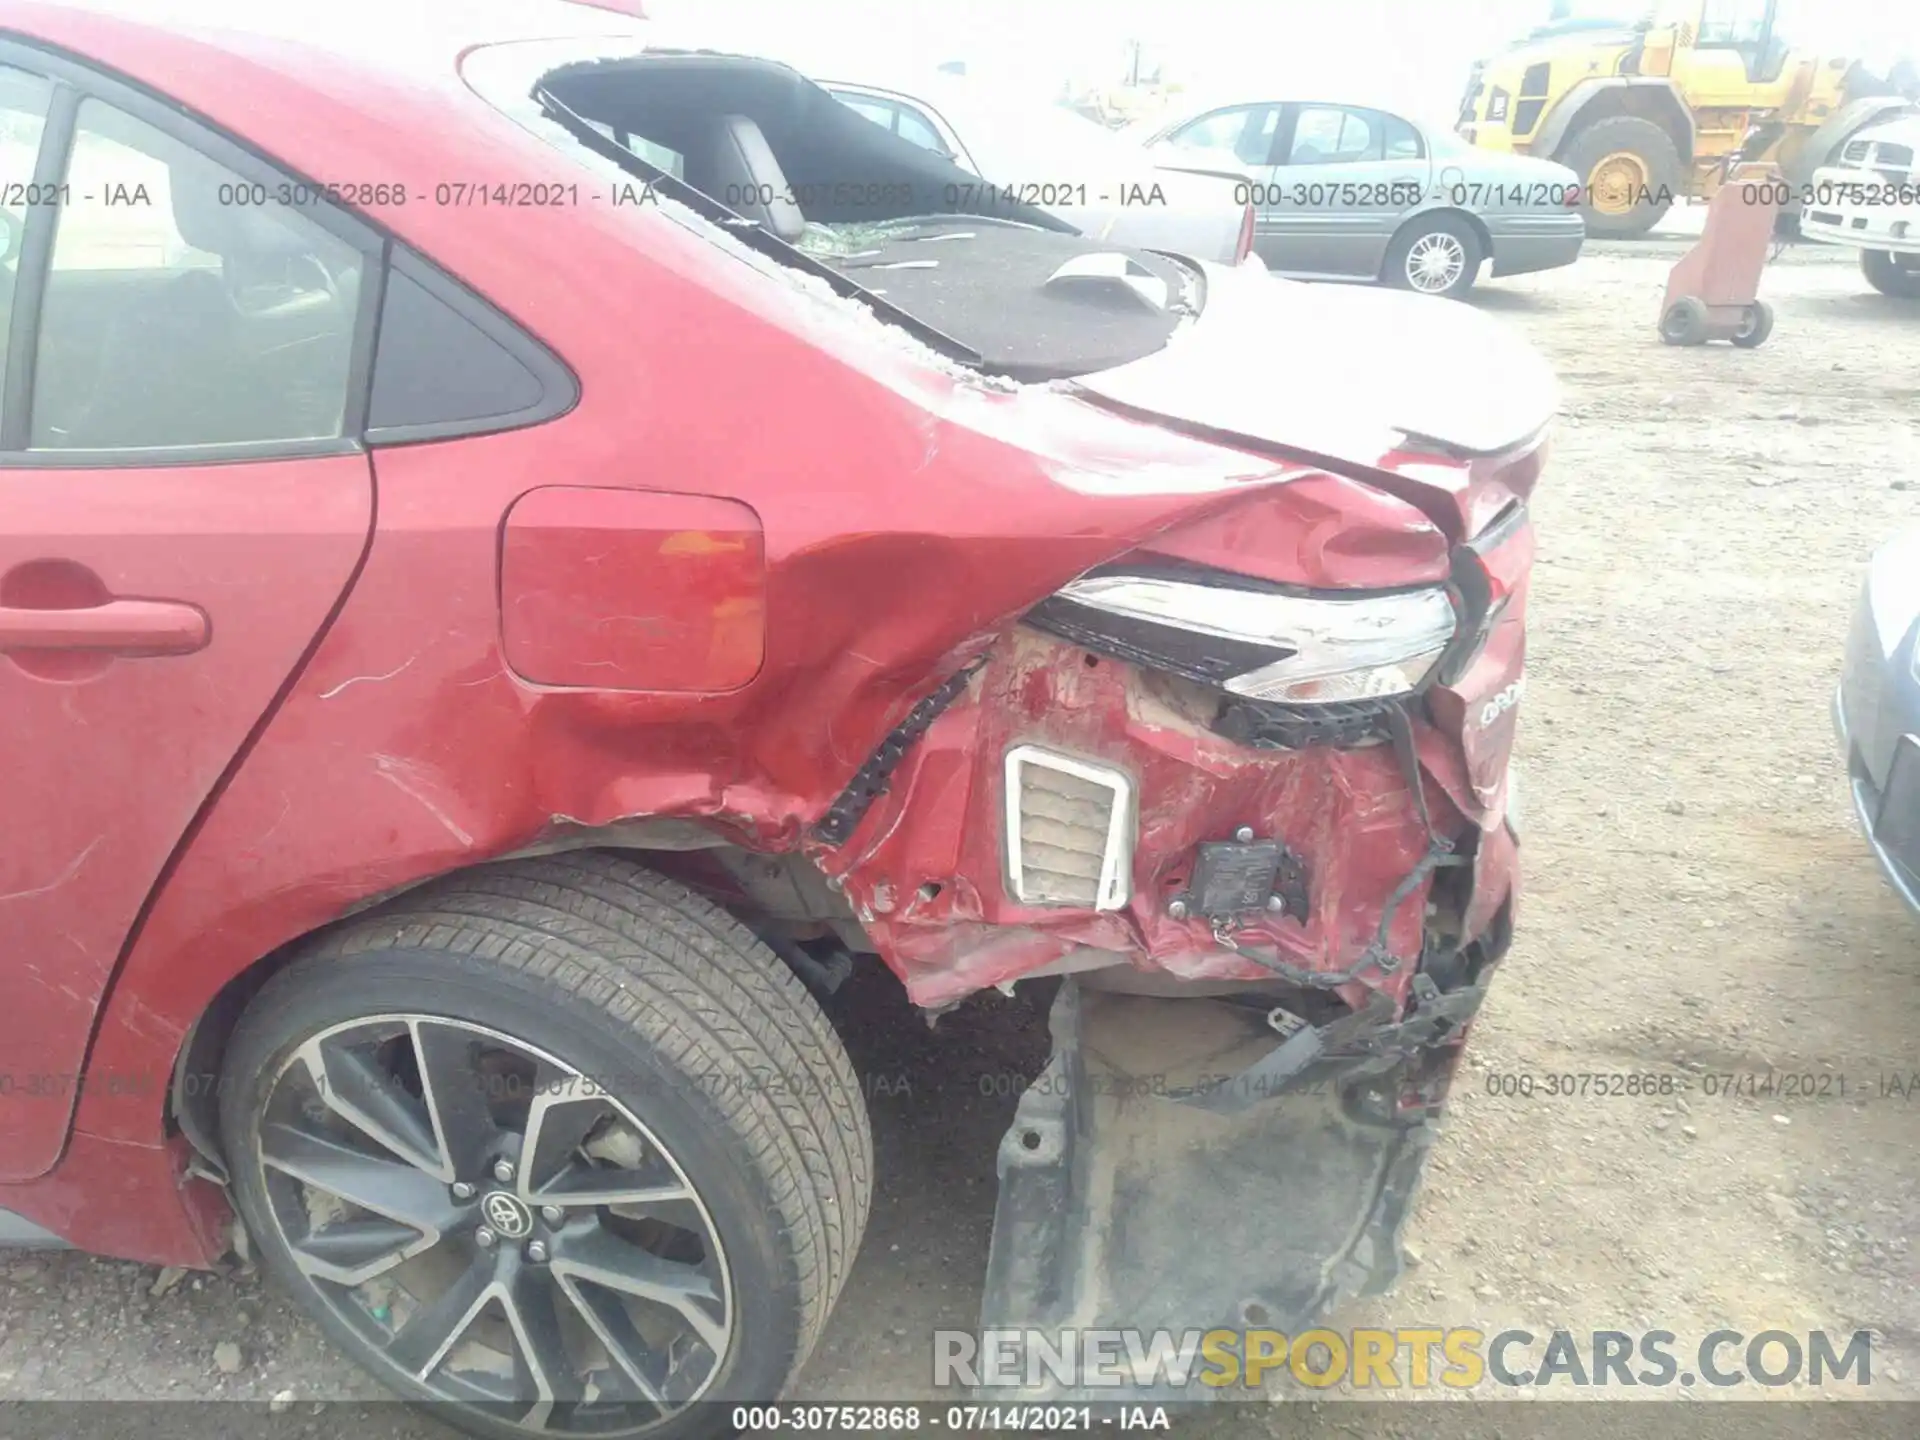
1288, 1120
926, 871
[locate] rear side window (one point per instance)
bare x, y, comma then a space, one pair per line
915, 127
902, 120
1402, 140
185, 305
446, 363
1327, 135
1243, 135
878, 111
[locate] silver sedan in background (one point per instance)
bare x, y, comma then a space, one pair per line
1353, 191
1043, 154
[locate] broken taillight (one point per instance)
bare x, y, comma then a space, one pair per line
1483, 589
1310, 649
1244, 247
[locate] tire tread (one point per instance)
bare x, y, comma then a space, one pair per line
693, 983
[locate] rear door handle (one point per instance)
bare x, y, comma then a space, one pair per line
119, 627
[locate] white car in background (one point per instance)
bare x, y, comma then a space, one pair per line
1870, 200
1351, 188
1046, 155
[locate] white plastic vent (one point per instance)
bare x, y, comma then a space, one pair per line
1069, 830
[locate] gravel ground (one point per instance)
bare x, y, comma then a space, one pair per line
1698, 905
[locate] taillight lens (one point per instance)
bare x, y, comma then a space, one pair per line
1319, 649
1245, 246
1484, 588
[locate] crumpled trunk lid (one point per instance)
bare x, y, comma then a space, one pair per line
1354, 378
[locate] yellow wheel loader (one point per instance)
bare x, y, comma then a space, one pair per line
1656, 109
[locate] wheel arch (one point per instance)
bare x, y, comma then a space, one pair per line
1608, 97
781, 896
508, 982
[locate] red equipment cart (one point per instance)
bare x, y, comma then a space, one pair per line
1712, 294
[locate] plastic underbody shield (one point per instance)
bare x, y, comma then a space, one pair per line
1124, 1205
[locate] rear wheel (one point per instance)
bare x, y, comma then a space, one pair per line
1630, 173
557, 1145
1436, 254
1892, 273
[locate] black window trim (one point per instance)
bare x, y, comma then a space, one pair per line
1280, 150
76, 78
34, 264
1419, 139
904, 108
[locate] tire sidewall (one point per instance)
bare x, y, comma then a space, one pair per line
1684, 322
681, 1114
1886, 273
1756, 327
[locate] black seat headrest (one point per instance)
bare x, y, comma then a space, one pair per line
738, 170
222, 227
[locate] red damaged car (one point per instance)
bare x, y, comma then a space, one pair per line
527, 550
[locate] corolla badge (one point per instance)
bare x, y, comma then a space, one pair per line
1503, 702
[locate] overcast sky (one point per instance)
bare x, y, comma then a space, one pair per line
1419, 48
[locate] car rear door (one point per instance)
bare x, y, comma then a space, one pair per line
1342, 180
183, 504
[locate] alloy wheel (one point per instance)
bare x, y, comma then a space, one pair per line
495, 1226
1435, 262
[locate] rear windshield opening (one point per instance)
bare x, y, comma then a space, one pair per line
1010, 289
734, 128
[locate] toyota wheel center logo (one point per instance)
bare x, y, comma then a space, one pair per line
507, 1215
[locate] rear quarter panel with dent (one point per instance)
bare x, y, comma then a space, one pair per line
908, 516
409, 747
